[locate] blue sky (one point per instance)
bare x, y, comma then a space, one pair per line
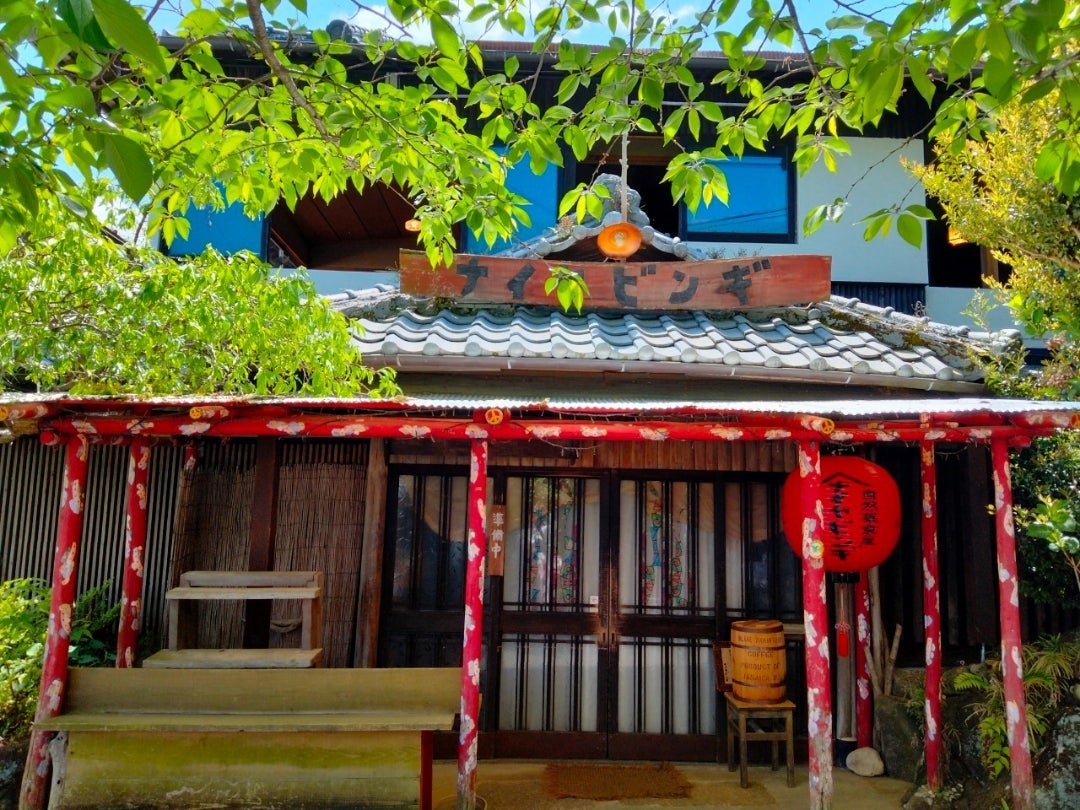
320, 12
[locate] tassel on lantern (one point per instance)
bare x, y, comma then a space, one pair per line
843, 629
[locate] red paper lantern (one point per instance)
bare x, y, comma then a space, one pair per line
861, 505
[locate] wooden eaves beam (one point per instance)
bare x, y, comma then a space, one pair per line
321, 425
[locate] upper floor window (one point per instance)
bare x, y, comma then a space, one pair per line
761, 206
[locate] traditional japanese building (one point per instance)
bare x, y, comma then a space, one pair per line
619, 470
611, 479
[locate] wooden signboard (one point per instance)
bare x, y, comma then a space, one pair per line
722, 665
725, 284
496, 560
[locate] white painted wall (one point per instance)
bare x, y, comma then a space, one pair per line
329, 282
871, 177
951, 305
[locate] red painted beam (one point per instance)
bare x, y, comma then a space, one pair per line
61, 608
766, 428
127, 637
931, 616
15, 413
1042, 419
816, 620
1023, 786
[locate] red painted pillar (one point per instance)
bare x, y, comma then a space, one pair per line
816, 620
474, 624
191, 457
127, 638
864, 702
58, 639
931, 615
1023, 788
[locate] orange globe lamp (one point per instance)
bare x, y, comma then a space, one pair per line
619, 240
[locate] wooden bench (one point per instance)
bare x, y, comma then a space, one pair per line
200, 586
241, 737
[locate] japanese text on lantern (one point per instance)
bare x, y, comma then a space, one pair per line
861, 509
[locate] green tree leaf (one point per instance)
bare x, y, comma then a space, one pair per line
444, 36
126, 28
130, 163
79, 16
910, 229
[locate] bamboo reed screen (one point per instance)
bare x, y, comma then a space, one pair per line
319, 528
212, 531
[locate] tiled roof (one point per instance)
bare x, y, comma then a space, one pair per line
841, 340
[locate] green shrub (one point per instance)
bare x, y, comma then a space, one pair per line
1051, 666
24, 621
1046, 476
24, 618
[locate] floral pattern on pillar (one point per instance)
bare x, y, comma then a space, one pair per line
472, 644
61, 606
815, 619
127, 638
931, 615
1023, 790
864, 702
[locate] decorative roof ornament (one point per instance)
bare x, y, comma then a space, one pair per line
567, 233
621, 240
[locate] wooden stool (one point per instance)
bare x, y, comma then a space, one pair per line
777, 728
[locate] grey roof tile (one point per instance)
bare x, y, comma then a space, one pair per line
783, 347
878, 346
697, 339
872, 367
825, 350
833, 363
865, 351
840, 336
850, 340
928, 367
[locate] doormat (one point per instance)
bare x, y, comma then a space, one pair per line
602, 782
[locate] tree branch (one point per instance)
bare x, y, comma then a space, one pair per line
262, 38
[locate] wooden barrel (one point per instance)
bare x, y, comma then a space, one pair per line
758, 660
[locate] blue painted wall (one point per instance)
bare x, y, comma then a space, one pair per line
542, 192
228, 231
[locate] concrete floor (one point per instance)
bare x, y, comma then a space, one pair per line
518, 785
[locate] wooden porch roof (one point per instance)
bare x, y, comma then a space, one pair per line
498, 417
